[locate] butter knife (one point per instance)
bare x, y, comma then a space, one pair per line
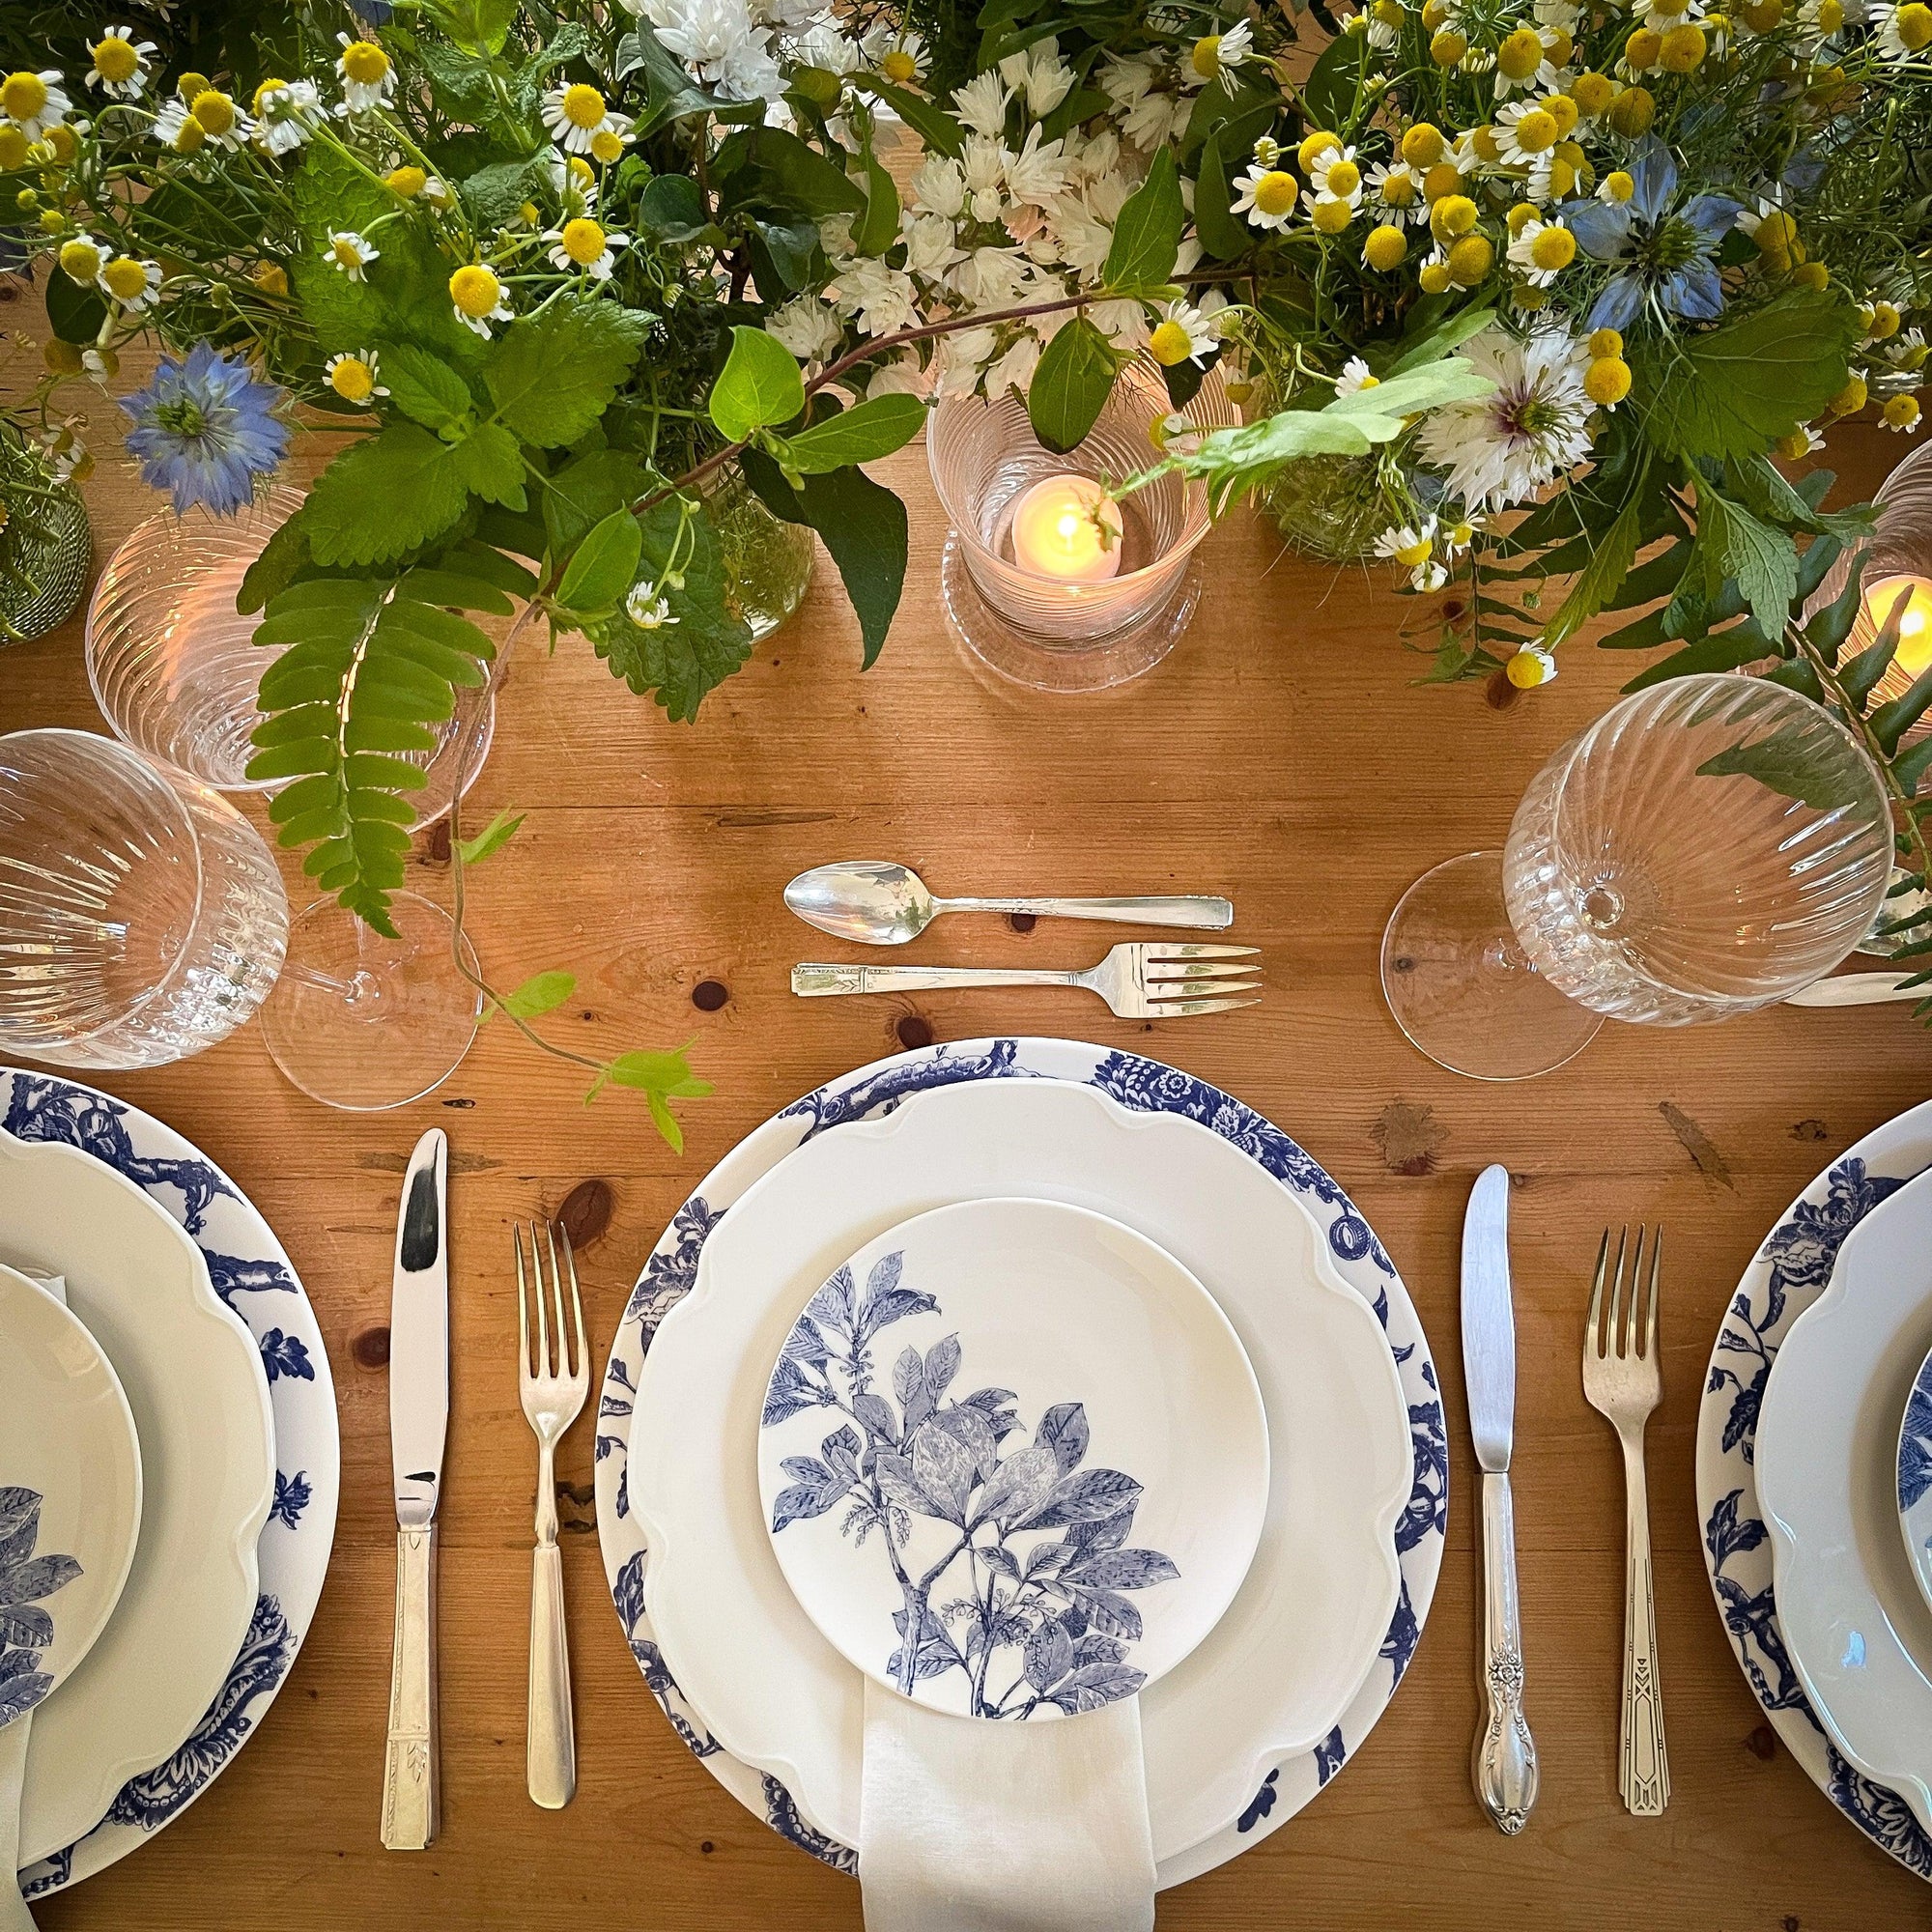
1504, 1759
418, 1421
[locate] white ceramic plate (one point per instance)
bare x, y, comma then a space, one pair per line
1913, 1478
195, 1383
70, 1494
1054, 1433
1305, 1628
1858, 1633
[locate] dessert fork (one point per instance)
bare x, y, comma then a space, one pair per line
1143, 979
553, 1395
1623, 1379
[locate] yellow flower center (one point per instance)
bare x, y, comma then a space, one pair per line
1422, 145
1566, 111
346, 250
1433, 277
1205, 59
23, 95
213, 110
1591, 93
582, 106
1470, 260
1830, 16
1484, 141
1684, 49
1343, 178
264, 96
364, 63
1535, 132
1522, 215
1851, 399
1313, 148
1604, 344
1398, 191
1388, 12
352, 380
1435, 12
407, 182
1883, 321
582, 242
579, 172
189, 136
115, 58
1618, 186
1633, 111
1562, 179
1553, 248
605, 145
1331, 216
189, 85
1276, 191
1446, 46
1607, 382
12, 148
80, 260
1409, 555
1902, 411
1443, 178
475, 290
1385, 248
1453, 215
1169, 344
1912, 24
125, 278
1521, 53
1762, 15
1525, 671
1642, 48
898, 66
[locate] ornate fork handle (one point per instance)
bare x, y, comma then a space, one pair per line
1505, 1754
1643, 1764
816, 982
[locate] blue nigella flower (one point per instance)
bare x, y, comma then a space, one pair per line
1665, 249
204, 429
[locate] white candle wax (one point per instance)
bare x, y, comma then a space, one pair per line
1057, 530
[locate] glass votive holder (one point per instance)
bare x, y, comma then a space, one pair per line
1051, 633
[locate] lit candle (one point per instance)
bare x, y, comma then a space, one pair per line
1067, 526
1914, 623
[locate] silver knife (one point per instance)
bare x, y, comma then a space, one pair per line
1504, 1760
418, 1420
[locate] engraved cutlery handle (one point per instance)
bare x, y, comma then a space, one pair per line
550, 1757
1505, 1754
1643, 1766
816, 982
410, 1773
1206, 915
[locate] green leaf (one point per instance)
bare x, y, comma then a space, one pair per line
862, 434
878, 228
493, 837
555, 373
782, 254
1071, 385
1890, 723
1760, 560
383, 496
585, 492
541, 994
1147, 236
490, 459
605, 566
424, 386
1599, 578
1720, 650
768, 171
673, 94
1224, 234
75, 313
477, 26
661, 1077
1794, 761
285, 553
1440, 339
933, 125
759, 386
671, 209
1334, 83
1733, 390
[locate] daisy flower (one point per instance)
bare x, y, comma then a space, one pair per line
368, 75
1906, 350
1354, 378
284, 111
577, 114
1904, 33
1335, 173
478, 299
219, 119
1821, 20
354, 376
1505, 447
177, 129
1398, 188
585, 245
1542, 250
1901, 414
132, 283
1661, 16
1526, 134
1532, 665
1404, 544
904, 62
646, 608
34, 103
575, 181
204, 429
1522, 61
121, 64
1184, 334
348, 251
1218, 57
1267, 196
82, 258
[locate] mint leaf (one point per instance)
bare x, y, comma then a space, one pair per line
490, 459
758, 386
1796, 761
862, 434
1224, 234
554, 374
1071, 385
605, 566
1147, 236
424, 387
661, 1077
1734, 546
584, 492
383, 496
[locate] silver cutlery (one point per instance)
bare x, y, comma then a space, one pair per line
1623, 1380
1504, 1758
878, 904
1860, 990
1142, 980
553, 1395
418, 1424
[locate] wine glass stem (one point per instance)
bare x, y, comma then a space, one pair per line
362, 988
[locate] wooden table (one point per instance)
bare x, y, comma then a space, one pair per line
1282, 756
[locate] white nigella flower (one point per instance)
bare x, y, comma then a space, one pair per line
349, 252
988, 279
1156, 118
578, 113
1125, 81
807, 328
822, 44
1533, 664
983, 163
1904, 31
962, 356
34, 103
368, 75
1216, 58
899, 376
584, 246
354, 376
1397, 190
1355, 377
121, 63
284, 110
646, 608
1182, 334
938, 187
1541, 251
1534, 425
982, 103
1265, 196
880, 300
1036, 172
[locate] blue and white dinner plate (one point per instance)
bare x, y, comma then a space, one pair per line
1790, 1273
1137, 1084
1913, 1475
253, 1276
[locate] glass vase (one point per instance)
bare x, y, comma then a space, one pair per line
46, 550
767, 561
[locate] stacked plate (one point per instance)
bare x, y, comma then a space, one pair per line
1099, 1308
168, 1470
1814, 1463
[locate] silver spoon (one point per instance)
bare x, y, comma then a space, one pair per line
878, 904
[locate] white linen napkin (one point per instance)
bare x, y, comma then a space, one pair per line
967, 1825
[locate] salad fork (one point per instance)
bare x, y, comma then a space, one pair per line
1623, 1379
553, 1395
1142, 980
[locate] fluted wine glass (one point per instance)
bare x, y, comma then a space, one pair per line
1708, 847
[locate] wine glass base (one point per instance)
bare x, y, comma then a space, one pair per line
403, 1028
1041, 665
1460, 987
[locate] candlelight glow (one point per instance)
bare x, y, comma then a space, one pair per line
1914, 626
1067, 526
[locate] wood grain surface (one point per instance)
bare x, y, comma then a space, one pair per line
1281, 757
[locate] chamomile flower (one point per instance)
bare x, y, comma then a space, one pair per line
349, 252
575, 181
903, 60
1904, 33
1398, 188
368, 74
1354, 378
1523, 63
1407, 546
577, 114
1821, 20
1542, 250
121, 64
585, 247
478, 299
1182, 334
646, 608
354, 376
1907, 350
219, 119
1901, 414
82, 258
1335, 172
135, 285
284, 110
1526, 135
1533, 664
34, 103
1661, 16
177, 129
1216, 58
1175, 435
1267, 196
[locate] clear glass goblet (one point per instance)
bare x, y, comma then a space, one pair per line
1708, 847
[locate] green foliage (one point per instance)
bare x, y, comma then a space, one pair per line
493, 837
384, 497
660, 1078
759, 388
541, 994
554, 375
1147, 235
863, 434
1071, 385
605, 565
878, 228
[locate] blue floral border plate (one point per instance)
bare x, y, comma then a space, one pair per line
253, 1275
1148, 1085
1789, 1273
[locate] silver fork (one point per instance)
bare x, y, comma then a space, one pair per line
1623, 1379
553, 1395
1143, 979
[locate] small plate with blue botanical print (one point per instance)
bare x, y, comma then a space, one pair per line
1013, 1459
1915, 1478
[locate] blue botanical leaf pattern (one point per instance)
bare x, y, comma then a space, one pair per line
285, 1355
232, 1277
1003, 1584
26, 1582
292, 1497
1914, 1442
1260, 1805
